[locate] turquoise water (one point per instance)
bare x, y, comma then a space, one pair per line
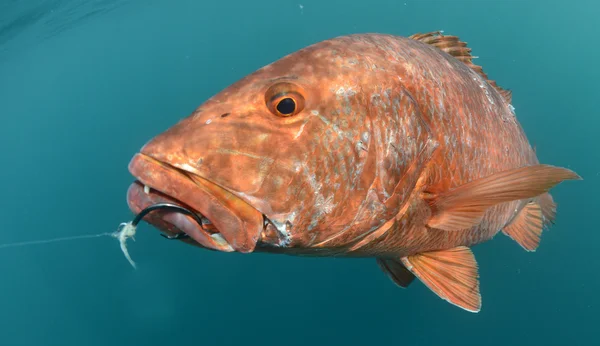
83, 84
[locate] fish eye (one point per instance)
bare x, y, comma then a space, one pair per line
286, 106
284, 99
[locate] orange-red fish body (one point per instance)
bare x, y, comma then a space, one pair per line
405, 112
365, 145
437, 124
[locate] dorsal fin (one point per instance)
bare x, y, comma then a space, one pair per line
458, 49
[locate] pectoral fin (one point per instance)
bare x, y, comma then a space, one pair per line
451, 274
396, 271
464, 206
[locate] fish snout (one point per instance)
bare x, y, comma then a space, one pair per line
228, 223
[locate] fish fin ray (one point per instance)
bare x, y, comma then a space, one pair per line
458, 49
506, 94
548, 207
464, 206
396, 271
526, 228
451, 274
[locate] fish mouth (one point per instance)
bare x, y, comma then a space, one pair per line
228, 223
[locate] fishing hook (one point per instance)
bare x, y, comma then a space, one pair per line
170, 206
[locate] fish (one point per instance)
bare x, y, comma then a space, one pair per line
370, 145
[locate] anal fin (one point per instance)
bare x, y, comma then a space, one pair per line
526, 228
451, 274
396, 271
548, 207
464, 206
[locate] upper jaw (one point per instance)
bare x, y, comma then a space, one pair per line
238, 225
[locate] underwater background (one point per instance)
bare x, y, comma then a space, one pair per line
84, 84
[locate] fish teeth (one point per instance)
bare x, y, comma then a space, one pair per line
147, 189
218, 238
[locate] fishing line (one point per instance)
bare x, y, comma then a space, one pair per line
54, 240
125, 230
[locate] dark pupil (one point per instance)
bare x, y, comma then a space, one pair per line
286, 106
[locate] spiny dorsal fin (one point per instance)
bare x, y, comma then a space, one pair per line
464, 206
451, 274
526, 228
458, 49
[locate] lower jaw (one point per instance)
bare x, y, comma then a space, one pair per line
173, 223
239, 223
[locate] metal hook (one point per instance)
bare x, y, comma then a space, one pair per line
173, 207
176, 236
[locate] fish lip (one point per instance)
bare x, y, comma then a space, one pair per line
171, 222
238, 224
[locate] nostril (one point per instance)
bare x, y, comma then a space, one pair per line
225, 115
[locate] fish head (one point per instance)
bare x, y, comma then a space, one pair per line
278, 160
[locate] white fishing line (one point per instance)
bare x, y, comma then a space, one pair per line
54, 240
124, 232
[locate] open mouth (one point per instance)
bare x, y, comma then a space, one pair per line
227, 222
